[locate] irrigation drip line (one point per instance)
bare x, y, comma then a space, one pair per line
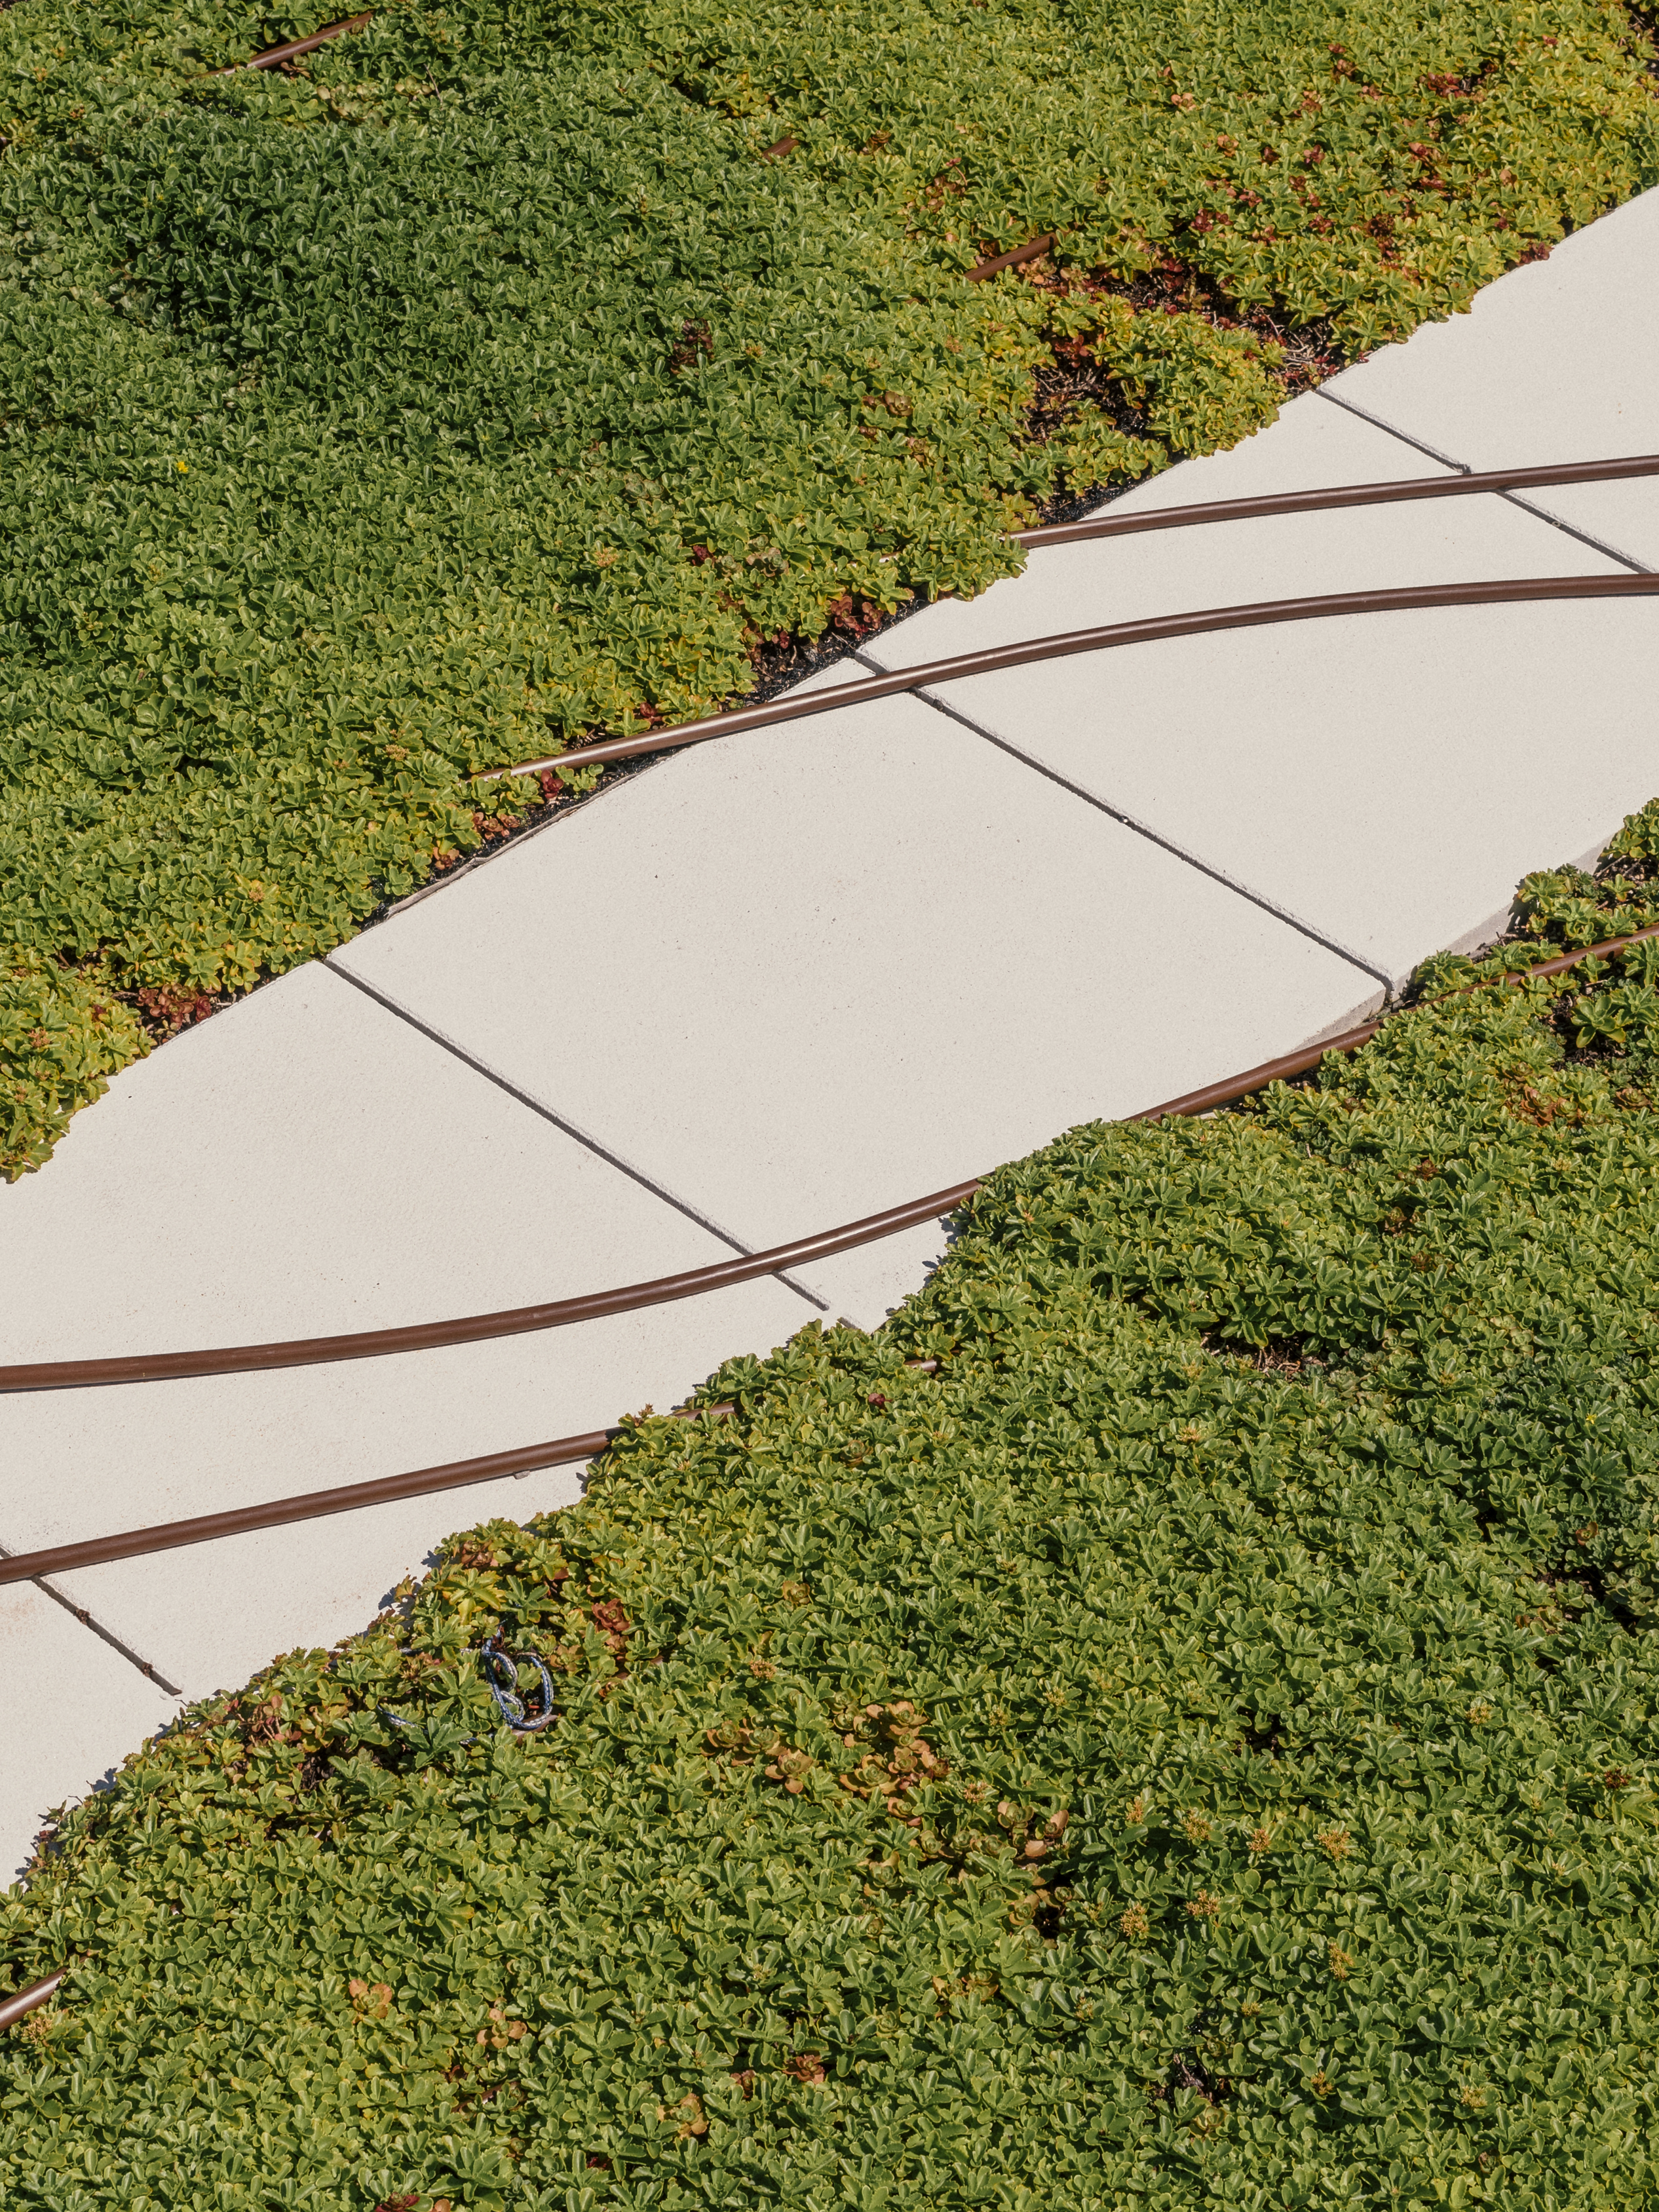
419, 1482
12, 2008
664, 1290
1407, 599
1029, 252
319, 1504
1216, 618
1337, 495
273, 55
369, 1343
310, 1505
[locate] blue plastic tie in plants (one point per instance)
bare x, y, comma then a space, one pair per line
502, 1668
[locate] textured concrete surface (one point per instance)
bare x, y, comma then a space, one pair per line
869, 954
306, 1164
1385, 779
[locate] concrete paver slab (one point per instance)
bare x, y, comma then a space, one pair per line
74, 1708
1554, 362
306, 1163
1391, 787
857, 958
1385, 779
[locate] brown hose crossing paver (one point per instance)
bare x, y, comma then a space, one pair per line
1155, 629
133, 1543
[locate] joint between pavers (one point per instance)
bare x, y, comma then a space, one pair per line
89, 1620
1572, 530
574, 1130
1379, 422
1465, 468
1143, 829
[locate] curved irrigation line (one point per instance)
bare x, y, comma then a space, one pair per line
628, 1297
315, 1504
1365, 495
1407, 599
516, 1321
1020, 254
420, 1482
419, 1336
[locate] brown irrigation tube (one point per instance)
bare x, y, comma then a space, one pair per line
1409, 598
12, 2008
660, 1290
1020, 254
516, 1321
315, 1504
1315, 502
273, 55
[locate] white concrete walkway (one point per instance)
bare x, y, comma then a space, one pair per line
785, 978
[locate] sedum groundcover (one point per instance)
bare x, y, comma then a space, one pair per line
1192, 1744
485, 381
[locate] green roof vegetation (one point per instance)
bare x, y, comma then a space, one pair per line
486, 381
1190, 1744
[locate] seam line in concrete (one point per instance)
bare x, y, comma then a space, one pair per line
1143, 829
1379, 423
1572, 530
1466, 469
567, 1127
44, 1584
